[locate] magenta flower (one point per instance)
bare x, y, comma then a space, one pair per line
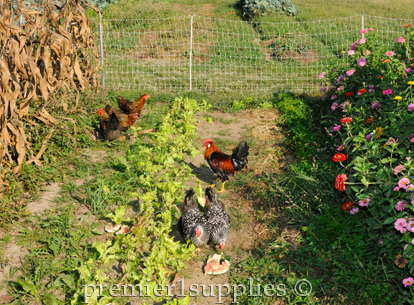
371, 90
351, 52
375, 104
408, 281
350, 72
380, 242
400, 206
362, 40
389, 53
323, 97
361, 62
369, 136
396, 189
340, 88
353, 47
387, 92
334, 97
370, 29
336, 128
404, 182
323, 89
401, 39
398, 169
412, 140
410, 107
354, 211
363, 31
341, 148
364, 202
340, 79
334, 106
400, 225
321, 75
333, 70
408, 70
371, 86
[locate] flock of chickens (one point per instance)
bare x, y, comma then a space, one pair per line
114, 122
214, 225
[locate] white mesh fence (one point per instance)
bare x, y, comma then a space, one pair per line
207, 54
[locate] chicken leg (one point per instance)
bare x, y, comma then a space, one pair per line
222, 188
214, 184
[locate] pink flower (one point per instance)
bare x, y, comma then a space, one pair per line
363, 31
345, 105
340, 79
350, 72
389, 53
387, 92
362, 40
401, 39
401, 205
398, 169
364, 202
380, 242
408, 281
412, 140
371, 86
354, 211
367, 52
353, 47
410, 107
370, 29
334, 106
412, 242
321, 75
323, 89
361, 62
323, 97
371, 90
340, 88
410, 225
408, 158
408, 70
375, 104
334, 97
351, 52
336, 128
403, 183
396, 189
400, 225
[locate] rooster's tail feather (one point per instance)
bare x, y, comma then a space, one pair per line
239, 156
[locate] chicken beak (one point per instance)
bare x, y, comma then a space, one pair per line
221, 246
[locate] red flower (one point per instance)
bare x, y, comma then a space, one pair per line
339, 157
340, 182
347, 206
407, 26
369, 120
346, 120
381, 77
385, 61
360, 91
349, 93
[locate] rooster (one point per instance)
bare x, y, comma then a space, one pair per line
217, 218
110, 127
125, 120
222, 164
133, 107
195, 227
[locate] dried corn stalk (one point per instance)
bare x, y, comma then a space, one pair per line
53, 49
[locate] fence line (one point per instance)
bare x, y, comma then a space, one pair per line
207, 54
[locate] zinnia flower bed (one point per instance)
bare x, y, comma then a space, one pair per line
370, 120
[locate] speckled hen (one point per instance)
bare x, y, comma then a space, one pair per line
194, 225
218, 219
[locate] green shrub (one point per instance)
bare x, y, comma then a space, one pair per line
253, 8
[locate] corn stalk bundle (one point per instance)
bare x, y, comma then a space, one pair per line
53, 50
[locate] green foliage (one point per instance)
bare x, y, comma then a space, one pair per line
253, 8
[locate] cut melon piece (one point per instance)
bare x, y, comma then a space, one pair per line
112, 229
201, 201
124, 230
217, 265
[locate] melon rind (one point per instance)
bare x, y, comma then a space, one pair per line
201, 201
124, 230
217, 257
112, 229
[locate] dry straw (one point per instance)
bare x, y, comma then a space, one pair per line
53, 50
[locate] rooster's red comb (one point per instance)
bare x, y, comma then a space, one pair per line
206, 141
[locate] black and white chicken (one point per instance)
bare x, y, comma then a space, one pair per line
217, 218
195, 227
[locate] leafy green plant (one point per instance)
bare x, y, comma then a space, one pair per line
253, 8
